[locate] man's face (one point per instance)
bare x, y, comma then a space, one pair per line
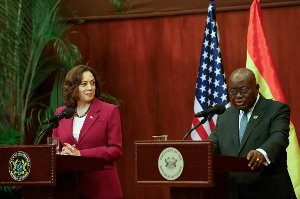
243, 92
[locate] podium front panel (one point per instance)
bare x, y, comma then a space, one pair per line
28, 165
197, 157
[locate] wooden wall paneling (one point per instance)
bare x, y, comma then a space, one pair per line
103, 10
282, 34
130, 49
152, 64
233, 28
175, 64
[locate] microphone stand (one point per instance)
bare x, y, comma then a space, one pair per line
201, 122
42, 133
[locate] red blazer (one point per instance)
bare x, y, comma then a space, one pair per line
101, 137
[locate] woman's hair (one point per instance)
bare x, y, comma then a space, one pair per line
72, 82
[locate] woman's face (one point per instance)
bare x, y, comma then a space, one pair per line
87, 87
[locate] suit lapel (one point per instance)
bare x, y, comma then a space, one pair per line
67, 124
234, 123
257, 114
90, 118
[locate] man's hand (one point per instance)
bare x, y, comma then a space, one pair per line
256, 159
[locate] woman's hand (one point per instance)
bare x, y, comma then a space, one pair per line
70, 150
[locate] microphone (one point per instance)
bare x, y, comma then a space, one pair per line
66, 113
217, 109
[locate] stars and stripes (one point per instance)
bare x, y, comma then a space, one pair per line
211, 87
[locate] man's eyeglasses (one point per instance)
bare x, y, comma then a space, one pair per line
242, 91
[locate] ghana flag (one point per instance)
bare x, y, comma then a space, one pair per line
259, 60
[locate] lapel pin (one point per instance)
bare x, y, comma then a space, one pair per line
91, 117
255, 117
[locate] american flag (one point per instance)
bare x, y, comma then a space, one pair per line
211, 87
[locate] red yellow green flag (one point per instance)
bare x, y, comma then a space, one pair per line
260, 61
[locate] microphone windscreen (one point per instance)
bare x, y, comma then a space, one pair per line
68, 112
221, 108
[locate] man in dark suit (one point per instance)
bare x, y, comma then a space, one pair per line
256, 128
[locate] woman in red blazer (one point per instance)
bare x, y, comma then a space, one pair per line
94, 131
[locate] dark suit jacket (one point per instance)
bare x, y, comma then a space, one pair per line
100, 136
268, 129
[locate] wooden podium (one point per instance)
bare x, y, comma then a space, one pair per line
41, 172
204, 175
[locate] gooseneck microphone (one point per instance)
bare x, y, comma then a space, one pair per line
53, 121
66, 113
217, 109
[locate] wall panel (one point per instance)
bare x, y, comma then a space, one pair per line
95, 9
152, 63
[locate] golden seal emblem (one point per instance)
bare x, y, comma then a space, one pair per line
19, 166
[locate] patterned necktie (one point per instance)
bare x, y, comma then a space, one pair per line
243, 125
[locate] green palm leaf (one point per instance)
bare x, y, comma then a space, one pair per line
32, 46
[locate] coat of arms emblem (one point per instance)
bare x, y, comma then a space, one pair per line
19, 166
170, 163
